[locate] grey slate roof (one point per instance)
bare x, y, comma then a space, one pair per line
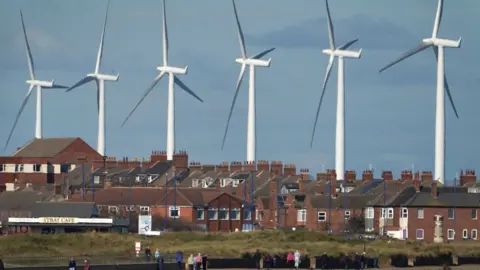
44, 148
341, 201
65, 209
446, 197
21, 200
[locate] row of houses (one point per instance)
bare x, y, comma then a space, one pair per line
240, 195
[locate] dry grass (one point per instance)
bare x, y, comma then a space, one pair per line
217, 245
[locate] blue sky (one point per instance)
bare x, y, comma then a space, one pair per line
389, 117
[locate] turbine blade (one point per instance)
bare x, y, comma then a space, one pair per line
155, 81
98, 95
239, 82
348, 44
447, 88
331, 35
165, 35
100, 47
186, 88
56, 86
31, 66
438, 18
240, 33
81, 82
411, 52
262, 54
325, 81
25, 100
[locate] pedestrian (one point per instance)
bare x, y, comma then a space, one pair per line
198, 261
86, 265
267, 261
190, 262
290, 259
363, 261
72, 265
2, 267
357, 261
257, 257
297, 258
204, 262
179, 257
157, 255
375, 260
148, 253
323, 261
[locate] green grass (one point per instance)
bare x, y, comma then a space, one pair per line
215, 245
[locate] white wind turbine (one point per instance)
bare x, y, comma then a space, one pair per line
341, 53
252, 62
100, 81
172, 79
438, 46
33, 82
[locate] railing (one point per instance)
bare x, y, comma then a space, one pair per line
22, 261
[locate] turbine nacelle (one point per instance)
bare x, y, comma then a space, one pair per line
343, 53
254, 62
104, 77
40, 83
173, 70
446, 43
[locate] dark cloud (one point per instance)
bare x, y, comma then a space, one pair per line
381, 34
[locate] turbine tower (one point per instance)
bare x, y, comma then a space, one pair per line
340, 53
172, 79
100, 79
438, 45
34, 83
252, 62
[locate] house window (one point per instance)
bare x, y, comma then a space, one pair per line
474, 213
451, 213
37, 167
347, 214
420, 213
2, 167
322, 216
212, 214
404, 212
474, 234
235, 214
18, 167
144, 210
223, 214
420, 234
370, 213
451, 234
390, 213
465, 234
247, 214
200, 214
174, 211
302, 215
64, 168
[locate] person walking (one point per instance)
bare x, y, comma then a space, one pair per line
198, 261
148, 254
267, 261
290, 259
2, 267
179, 257
190, 262
296, 256
157, 255
204, 261
72, 265
86, 265
257, 257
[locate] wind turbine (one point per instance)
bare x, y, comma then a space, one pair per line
33, 82
172, 79
438, 45
99, 79
340, 53
252, 62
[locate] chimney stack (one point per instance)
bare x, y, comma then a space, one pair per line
223, 167
387, 175
263, 165
427, 176
290, 170
468, 177
406, 175
276, 166
305, 174
367, 175
350, 176
236, 166
249, 166
434, 189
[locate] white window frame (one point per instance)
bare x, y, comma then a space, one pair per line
144, 209
215, 210
238, 211
203, 213
3, 167
173, 208
369, 213
420, 213
320, 214
37, 168
301, 215
464, 234
476, 214
227, 213
474, 233
369, 229
19, 168
245, 212
423, 234
347, 214
390, 213
403, 212
448, 234
448, 213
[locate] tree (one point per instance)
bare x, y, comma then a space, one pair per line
355, 224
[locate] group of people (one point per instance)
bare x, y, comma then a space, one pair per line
72, 264
293, 260
359, 261
198, 262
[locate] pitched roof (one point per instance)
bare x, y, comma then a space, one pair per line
44, 148
65, 209
21, 200
123, 196
341, 201
446, 197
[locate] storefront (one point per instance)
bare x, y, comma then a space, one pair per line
56, 225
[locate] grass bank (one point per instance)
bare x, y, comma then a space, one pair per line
216, 245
